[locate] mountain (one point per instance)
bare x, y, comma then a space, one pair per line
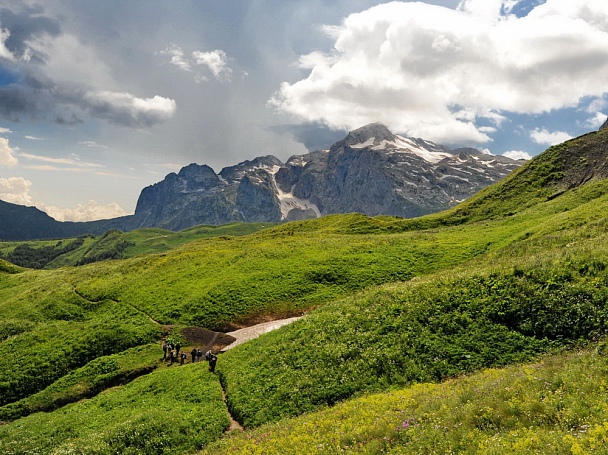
29, 223
19, 222
371, 171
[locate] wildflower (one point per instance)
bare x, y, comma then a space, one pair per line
407, 423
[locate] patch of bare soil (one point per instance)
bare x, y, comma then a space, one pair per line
205, 339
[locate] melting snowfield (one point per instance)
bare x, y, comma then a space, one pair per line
249, 333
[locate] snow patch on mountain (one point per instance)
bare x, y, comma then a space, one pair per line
428, 151
288, 201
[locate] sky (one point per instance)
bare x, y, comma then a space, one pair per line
101, 98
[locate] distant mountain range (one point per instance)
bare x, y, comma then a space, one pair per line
371, 171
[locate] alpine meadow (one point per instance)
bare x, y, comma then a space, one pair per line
481, 330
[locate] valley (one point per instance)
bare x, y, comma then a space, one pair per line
479, 329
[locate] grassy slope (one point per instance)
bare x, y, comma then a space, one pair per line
531, 296
555, 406
553, 253
172, 411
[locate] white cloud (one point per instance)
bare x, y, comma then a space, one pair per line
74, 163
15, 190
177, 57
128, 110
418, 67
84, 212
33, 138
5, 130
216, 61
4, 52
93, 144
7, 154
544, 137
70, 60
487, 9
518, 155
596, 121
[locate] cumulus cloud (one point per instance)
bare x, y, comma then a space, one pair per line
177, 57
418, 67
58, 78
518, 155
84, 212
544, 137
596, 120
39, 97
128, 110
7, 154
215, 61
15, 190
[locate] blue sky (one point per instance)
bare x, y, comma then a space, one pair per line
99, 99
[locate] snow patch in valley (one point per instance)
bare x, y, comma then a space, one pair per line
288, 201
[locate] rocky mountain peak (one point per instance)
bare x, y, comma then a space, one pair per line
371, 134
370, 171
604, 126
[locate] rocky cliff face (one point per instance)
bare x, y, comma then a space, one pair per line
371, 171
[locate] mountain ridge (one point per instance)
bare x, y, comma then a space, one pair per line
371, 171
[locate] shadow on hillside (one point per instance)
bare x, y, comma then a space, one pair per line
208, 340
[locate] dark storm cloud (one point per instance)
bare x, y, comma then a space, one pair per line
38, 97
25, 26
314, 136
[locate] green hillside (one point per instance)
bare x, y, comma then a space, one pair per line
113, 244
403, 319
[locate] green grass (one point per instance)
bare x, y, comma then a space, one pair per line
516, 272
426, 331
555, 406
87, 381
171, 411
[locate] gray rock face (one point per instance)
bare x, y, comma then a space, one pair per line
604, 126
370, 171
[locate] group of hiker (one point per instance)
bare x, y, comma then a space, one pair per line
171, 352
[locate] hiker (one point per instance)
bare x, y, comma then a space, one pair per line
199, 355
193, 354
212, 362
182, 357
172, 356
178, 346
207, 355
165, 348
